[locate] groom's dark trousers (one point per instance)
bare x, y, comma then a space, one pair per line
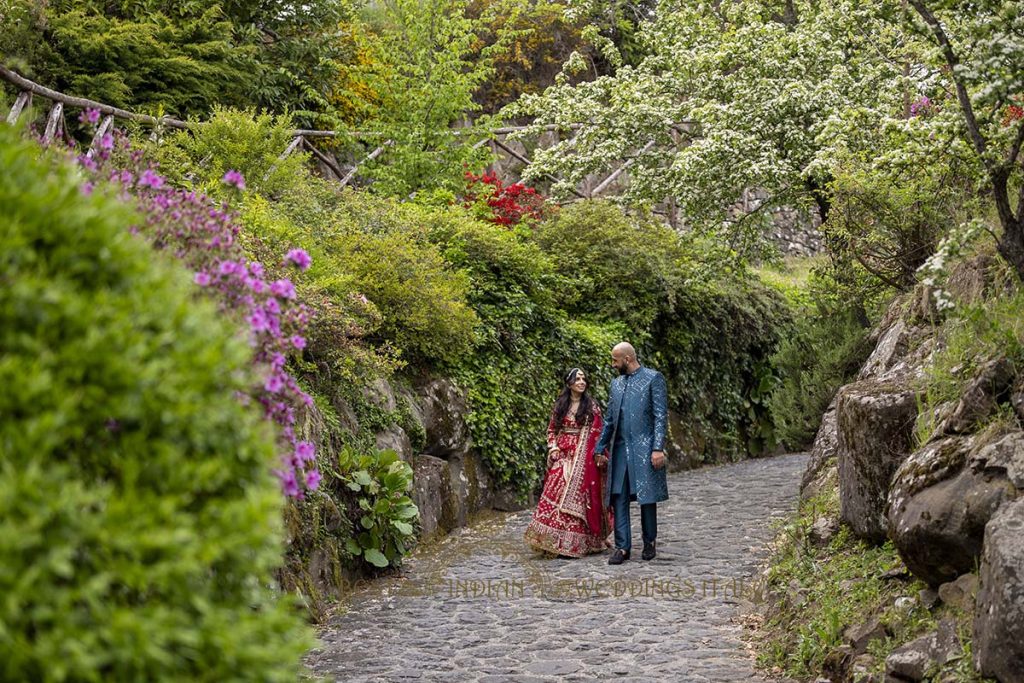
620, 507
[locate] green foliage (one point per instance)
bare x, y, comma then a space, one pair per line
839, 585
141, 523
426, 67
619, 268
525, 343
386, 514
819, 591
760, 82
177, 58
821, 353
231, 139
972, 335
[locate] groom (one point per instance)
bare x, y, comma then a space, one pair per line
635, 426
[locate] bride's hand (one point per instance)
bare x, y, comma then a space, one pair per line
600, 460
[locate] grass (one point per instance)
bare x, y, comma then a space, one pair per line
970, 336
842, 586
790, 277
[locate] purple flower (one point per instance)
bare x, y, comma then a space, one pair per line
151, 179
202, 279
300, 258
283, 288
298, 341
107, 141
87, 187
227, 267
312, 479
256, 268
274, 383
288, 483
260, 323
304, 452
920, 106
277, 360
89, 116
234, 178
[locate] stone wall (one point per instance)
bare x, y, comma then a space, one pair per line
943, 489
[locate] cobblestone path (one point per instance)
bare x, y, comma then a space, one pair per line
481, 606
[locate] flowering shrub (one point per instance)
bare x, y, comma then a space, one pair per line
204, 236
141, 523
922, 106
502, 204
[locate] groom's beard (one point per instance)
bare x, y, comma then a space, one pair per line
623, 369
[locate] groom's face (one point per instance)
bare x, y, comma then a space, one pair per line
619, 362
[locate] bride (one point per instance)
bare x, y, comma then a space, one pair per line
569, 519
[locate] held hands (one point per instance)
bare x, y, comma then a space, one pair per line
600, 459
552, 457
658, 459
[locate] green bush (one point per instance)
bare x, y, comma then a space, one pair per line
821, 353
140, 523
231, 139
619, 268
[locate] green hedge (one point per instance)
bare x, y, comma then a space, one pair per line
140, 524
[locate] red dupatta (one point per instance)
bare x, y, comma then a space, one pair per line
583, 495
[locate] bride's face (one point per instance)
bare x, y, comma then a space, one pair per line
580, 385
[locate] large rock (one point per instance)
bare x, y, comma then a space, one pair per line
981, 397
433, 495
823, 454
875, 431
443, 410
923, 656
394, 438
893, 344
942, 497
999, 608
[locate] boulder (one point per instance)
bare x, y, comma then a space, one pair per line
823, 454
683, 447
942, 497
875, 422
380, 393
433, 495
471, 485
999, 607
981, 397
893, 344
961, 592
922, 656
823, 529
394, 438
443, 409
859, 636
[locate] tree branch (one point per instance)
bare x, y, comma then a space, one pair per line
961, 89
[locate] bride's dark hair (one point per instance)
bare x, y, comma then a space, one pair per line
585, 411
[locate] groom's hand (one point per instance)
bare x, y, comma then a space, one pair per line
658, 459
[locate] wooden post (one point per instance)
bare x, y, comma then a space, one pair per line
296, 141
53, 122
23, 100
105, 126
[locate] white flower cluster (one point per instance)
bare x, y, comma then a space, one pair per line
933, 270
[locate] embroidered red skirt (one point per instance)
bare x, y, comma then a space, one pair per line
557, 532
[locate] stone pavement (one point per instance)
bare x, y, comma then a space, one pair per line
479, 605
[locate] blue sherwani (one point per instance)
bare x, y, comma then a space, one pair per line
635, 425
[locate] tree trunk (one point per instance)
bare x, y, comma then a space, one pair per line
1011, 243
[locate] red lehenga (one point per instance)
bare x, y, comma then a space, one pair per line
569, 519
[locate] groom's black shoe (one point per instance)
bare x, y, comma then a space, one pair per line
618, 556
648, 553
